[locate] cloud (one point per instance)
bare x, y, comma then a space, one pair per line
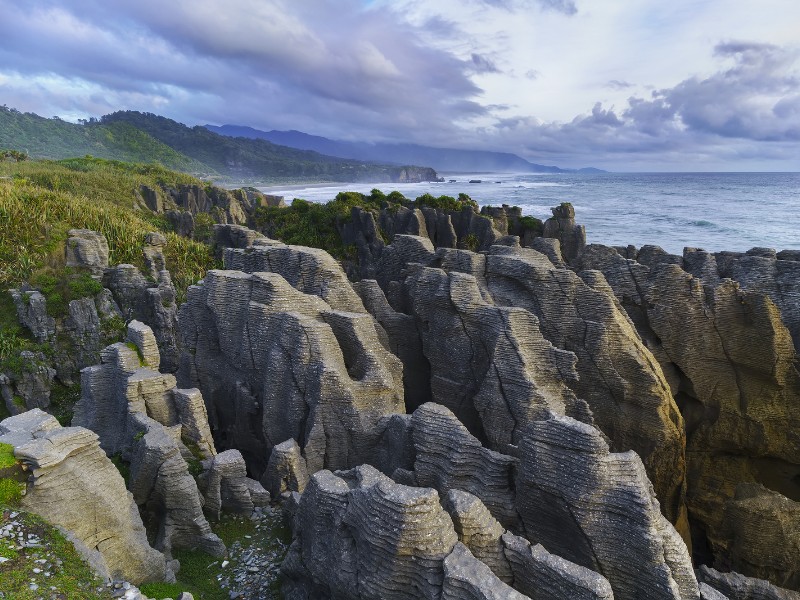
532, 74
265, 62
616, 84
481, 64
749, 108
567, 7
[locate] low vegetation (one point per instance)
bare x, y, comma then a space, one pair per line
40, 201
50, 568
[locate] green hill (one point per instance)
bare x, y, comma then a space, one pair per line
248, 158
57, 139
147, 138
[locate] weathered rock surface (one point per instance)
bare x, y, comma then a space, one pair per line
27, 386
545, 576
87, 249
467, 578
133, 410
449, 457
561, 226
74, 485
735, 586
490, 365
228, 487
274, 362
152, 302
360, 535
618, 376
733, 369
598, 509
286, 470
32, 313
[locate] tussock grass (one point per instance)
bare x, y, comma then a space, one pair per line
40, 201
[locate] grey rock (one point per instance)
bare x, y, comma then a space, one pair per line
28, 386
133, 410
152, 198
32, 313
151, 302
360, 535
449, 457
229, 488
286, 470
561, 226
275, 363
87, 249
193, 418
74, 485
738, 587
479, 531
182, 222
545, 576
404, 342
490, 365
467, 578
618, 376
598, 509
709, 593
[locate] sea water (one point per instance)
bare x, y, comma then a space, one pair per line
714, 211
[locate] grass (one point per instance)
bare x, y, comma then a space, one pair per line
7, 458
43, 200
62, 401
71, 579
10, 492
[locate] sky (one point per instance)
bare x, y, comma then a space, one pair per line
633, 85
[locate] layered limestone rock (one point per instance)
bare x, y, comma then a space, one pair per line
467, 578
761, 535
228, 488
150, 298
286, 470
274, 362
490, 365
32, 313
597, 509
360, 535
74, 485
87, 249
732, 364
133, 409
479, 531
28, 385
561, 226
735, 586
310, 270
618, 376
448, 457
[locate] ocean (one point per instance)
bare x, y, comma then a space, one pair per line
713, 211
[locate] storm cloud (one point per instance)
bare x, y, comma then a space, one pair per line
433, 73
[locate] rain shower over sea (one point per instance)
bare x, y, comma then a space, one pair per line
714, 211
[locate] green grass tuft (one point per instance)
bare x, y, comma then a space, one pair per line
7, 458
10, 492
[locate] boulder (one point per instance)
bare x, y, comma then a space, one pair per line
74, 485
88, 250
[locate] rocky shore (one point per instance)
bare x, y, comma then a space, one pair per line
474, 408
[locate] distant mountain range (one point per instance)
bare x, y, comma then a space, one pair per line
441, 159
144, 137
